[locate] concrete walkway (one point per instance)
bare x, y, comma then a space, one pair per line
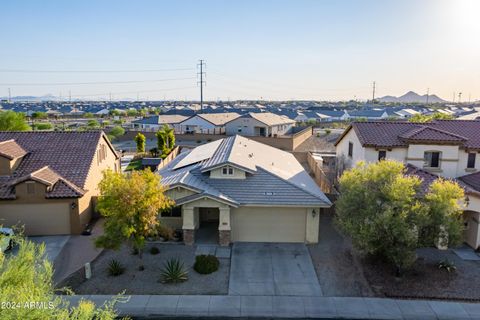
76, 252
287, 307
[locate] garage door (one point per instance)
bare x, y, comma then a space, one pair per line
39, 219
268, 224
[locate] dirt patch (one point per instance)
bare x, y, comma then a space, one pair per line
425, 280
147, 281
338, 269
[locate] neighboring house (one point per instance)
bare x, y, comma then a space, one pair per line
157, 122
373, 114
49, 180
333, 115
212, 123
264, 124
406, 113
446, 148
242, 190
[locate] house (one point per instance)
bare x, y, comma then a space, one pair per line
211, 123
264, 124
157, 122
370, 114
48, 180
238, 189
333, 115
442, 148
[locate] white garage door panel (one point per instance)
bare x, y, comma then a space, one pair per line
268, 224
39, 219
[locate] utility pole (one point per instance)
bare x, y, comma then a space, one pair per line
110, 97
469, 97
453, 97
9, 95
373, 93
428, 93
201, 82
459, 97
70, 96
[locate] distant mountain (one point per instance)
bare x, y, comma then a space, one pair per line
47, 97
412, 97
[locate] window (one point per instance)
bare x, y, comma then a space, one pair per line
382, 154
227, 171
471, 160
239, 129
30, 187
172, 212
350, 149
432, 159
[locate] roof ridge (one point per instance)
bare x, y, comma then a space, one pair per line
293, 184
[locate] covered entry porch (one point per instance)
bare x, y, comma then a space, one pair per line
206, 220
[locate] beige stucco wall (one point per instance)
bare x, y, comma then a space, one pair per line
448, 158
217, 174
462, 163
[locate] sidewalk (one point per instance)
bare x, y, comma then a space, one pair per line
152, 306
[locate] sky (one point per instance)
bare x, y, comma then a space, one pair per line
253, 49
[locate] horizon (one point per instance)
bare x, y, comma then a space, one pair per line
254, 50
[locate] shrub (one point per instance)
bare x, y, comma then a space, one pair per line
174, 272
165, 232
318, 134
115, 268
154, 250
134, 251
205, 264
447, 265
328, 131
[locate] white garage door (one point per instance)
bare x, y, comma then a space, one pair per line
38, 219
268, 224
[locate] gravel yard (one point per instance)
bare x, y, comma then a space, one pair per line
339, 271
426, 280
134, 281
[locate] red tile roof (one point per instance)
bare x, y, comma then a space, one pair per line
59, 159
472, 180
400, 133
11, 150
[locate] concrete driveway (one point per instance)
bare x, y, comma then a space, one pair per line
53, 244
281, 269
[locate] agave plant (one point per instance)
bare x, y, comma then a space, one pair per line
447, 265
174, 272
115, 268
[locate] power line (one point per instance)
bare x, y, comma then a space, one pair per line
130, 92
92, 71
87, 83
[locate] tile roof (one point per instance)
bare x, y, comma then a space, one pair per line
470, 183
60, 160
268, 118
219, 119
274, 177
11, 150
400, 133
472, 180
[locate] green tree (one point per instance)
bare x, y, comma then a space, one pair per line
117, 132
13, 121
93, 124
114, 112
26, 277
88, 115
140, 140
132, 112
379, 207
130, 205
43, 126
39, 115
165, 140
421, 118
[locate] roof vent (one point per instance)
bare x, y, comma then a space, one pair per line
250, 155
269, 193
